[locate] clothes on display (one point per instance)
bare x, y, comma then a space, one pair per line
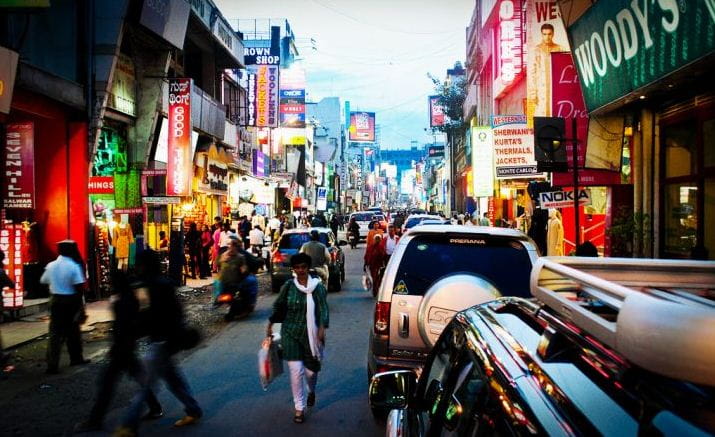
102, 260
122, 237
555, 234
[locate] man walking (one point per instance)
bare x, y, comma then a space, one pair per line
66, 280
390, 242
319, 254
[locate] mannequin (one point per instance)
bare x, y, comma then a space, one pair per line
122, 237
555, 234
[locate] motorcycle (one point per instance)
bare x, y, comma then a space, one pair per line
353, 239
238, 301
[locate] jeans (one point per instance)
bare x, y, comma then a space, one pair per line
160, 364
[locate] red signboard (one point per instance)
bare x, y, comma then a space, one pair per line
101, 185
180, 165
436, 112
18, 189
508, 45
567, 102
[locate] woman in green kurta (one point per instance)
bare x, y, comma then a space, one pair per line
302, 310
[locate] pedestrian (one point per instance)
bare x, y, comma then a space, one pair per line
5, 281
256, 237
216, 252
375, 261
206, 243
484, 221
390, 242
232, 266
163, 241
67, 282
165, 325
224, 238
319, 255
122, 356
374, 229
244, 230
302, 310
334, 225
257, 220
193, 245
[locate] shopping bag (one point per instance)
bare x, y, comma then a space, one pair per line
270, 364
367, 279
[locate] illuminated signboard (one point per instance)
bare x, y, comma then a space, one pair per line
509, 45
180, 165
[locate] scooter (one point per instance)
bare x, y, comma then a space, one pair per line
353, 239
238, 305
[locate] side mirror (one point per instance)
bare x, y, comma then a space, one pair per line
342, 243
392, 390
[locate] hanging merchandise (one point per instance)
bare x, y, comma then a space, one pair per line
102, 259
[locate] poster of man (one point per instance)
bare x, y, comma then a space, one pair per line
545, 35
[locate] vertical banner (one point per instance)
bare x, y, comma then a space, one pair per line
362, 127
436, 112
18, 188
180, 165
513, 148
267, 95
509, 47
292, 98
568, 103
321, 203
251, 98
12, 239
483, 161
545, 34
259, 163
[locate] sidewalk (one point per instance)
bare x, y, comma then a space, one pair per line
35, 326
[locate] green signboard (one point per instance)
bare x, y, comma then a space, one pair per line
622, 45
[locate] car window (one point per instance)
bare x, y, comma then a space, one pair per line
295, 241
503, 262
363, 217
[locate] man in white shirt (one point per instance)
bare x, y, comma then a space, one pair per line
256, 237
66, 280
391, 241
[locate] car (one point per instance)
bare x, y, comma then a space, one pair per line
291, 242
415, 219
434, 222
363, 219
434, 272
608, 347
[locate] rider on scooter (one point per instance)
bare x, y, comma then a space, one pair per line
353, 232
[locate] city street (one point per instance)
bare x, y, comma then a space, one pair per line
223, 375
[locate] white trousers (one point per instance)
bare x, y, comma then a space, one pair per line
299, 375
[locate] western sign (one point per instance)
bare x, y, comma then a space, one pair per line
563, 199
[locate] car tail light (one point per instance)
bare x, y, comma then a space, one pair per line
224, 298
382, 318
278, 257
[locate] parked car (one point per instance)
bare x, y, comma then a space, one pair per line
435, 272
590, 357
363, 219
290, 243
415, 219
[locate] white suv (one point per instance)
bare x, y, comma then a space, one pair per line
435, 272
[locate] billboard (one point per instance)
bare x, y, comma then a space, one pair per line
436, 112
179, 168
509, 48
435, 152
482, 161
292, 98
266, 95
513, 147
18, 191
545, 34
362, 127
567, 102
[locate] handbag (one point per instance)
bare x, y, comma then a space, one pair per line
270, 364
367, 279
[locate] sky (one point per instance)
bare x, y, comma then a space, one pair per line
374, 53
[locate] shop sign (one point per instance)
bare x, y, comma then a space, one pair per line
260, 56
545, 34
292, 98
282, 179
510, 60
482, 161
166, 18
434, 152
154, 172
180, 165
259, 163
122, 96
215, 176
128, 211
227, 37
101, 185
8, 70
161, 200
568, 103
12, 237
564, 199
623, 45
437, 117
251, 98
18, 188
513, 148
321, 204
266, 95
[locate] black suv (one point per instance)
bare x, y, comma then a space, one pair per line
516, 366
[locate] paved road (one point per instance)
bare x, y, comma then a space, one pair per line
224, 377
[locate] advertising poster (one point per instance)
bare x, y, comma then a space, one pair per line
322, 201
436, 112
292, 98
179, 168
251, 98
259, 163
567, 102
509, 47
513, 148
545, 34
362, 127
18, 188
483, 161
267, 95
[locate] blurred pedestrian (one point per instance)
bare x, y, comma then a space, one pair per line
319, 255
126, 330
484, 221
165, 325
256, 238
302, 310
206, 243
67, 283
163, 241
193, 245
334, 225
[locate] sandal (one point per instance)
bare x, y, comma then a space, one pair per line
299, 417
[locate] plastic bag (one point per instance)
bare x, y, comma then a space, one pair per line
367, 280
270, 364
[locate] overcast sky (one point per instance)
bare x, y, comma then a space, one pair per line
374, 53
